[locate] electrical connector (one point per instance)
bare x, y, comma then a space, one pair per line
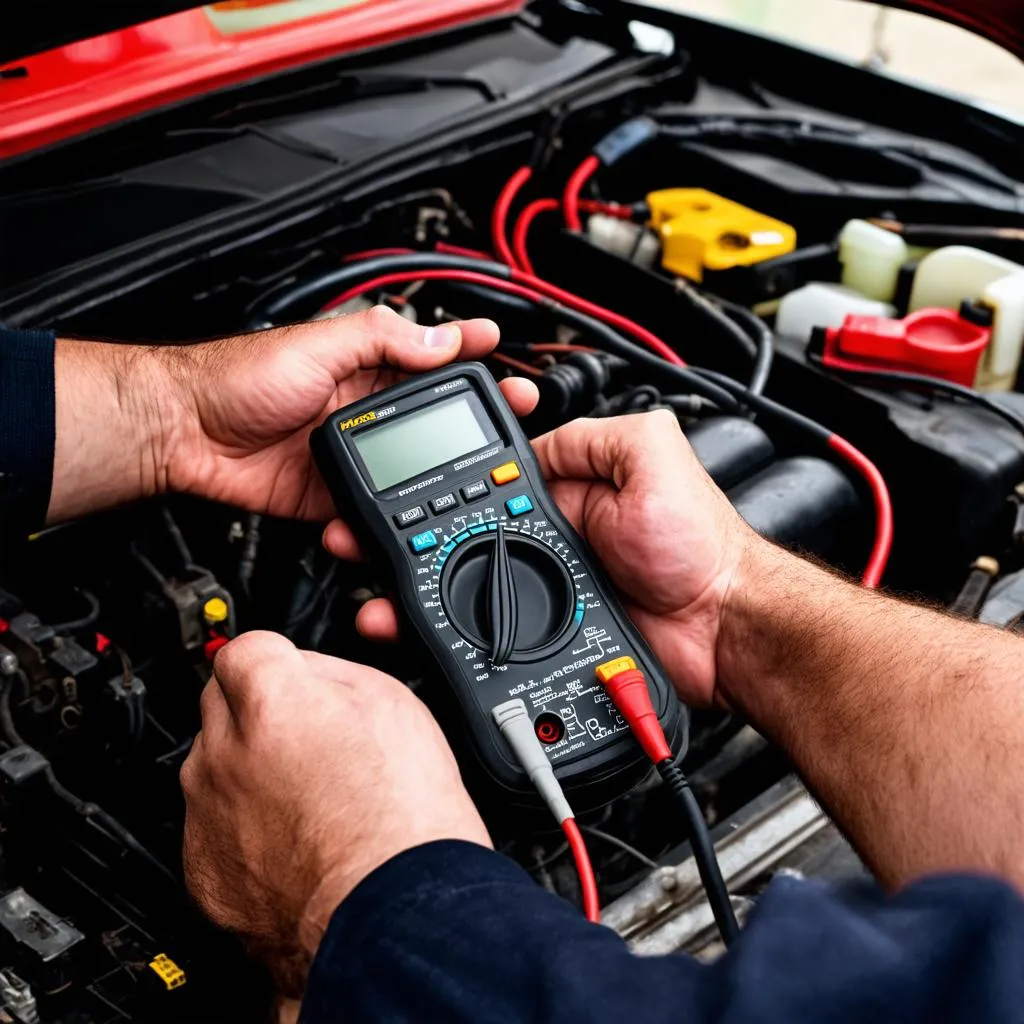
627, 688
513, 720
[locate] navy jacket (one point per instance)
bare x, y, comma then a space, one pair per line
456, 933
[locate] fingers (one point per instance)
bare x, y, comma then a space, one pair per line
612, 449
341, 542
378, 620
252, 668
521, 394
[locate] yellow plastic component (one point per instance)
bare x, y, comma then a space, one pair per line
702, 231
167, 971
215, 610
505, 473
610, 669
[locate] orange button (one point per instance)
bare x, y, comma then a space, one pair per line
505, 473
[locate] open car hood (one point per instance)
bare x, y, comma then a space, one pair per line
32, 27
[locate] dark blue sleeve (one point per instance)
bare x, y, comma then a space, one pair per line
27, 430
456, 933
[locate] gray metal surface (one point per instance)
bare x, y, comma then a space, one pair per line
667, 911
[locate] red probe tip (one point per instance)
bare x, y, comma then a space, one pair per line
628, 691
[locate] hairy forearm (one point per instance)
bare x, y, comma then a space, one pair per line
908, 724
118, 415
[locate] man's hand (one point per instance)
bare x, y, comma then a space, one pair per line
666, 535
230, 419
309, 772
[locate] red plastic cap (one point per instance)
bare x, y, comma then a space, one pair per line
934, 342
213, 645
628, 691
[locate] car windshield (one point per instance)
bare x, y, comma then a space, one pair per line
911, 46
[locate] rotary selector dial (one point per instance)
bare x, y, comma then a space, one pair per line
511, 590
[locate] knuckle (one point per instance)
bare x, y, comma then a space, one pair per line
381, 319
250, 648
188, 776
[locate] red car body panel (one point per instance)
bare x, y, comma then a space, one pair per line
82, 86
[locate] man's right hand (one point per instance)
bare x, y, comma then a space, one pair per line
668, 538
309, 773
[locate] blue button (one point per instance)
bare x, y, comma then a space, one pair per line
519, 505
423, 541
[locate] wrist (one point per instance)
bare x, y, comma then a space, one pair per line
119, 411
753, 611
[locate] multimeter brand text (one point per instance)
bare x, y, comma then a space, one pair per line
356, 420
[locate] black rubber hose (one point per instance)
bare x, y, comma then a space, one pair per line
296, 301
703, 851
764, 343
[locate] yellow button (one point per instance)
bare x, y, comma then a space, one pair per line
215, 610
167, 971
610, 669
505, 473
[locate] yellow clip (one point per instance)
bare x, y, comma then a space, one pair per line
167, 971
215, 610
702, 231
610, 669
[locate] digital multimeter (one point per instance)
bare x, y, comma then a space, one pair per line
438, 475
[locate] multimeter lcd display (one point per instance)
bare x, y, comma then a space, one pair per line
419, 441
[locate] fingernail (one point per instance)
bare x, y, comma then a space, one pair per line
445, 336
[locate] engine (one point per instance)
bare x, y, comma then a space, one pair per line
774, 264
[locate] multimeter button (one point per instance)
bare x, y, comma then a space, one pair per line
442, 504
410, 517
423, 541
505, 473
477, 489
519, 505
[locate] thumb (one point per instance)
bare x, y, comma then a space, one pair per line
380, 337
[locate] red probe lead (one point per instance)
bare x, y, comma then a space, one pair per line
585, 870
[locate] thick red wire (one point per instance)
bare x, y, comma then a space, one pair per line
879, 557
573, 187
532, 210
499, 217
588, 883
522, 229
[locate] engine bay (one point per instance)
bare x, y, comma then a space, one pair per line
660, 213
